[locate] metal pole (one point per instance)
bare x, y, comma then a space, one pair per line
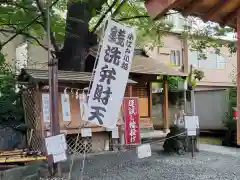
49, 63
192, 147
49, 76
53, 88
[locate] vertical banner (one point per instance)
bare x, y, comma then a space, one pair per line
46, 108
111, 75
132, 121
83, 106
66, 111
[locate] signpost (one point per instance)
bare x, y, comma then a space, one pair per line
191, 125
56, 147
111, 75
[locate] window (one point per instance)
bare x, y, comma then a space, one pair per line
175, 58
209, 63
221, 62
213, 61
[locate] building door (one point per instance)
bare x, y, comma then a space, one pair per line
210, 108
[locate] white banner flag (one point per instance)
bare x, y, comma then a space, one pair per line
111, 74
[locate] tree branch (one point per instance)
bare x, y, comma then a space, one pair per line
134, 17
141, 16
44, 16
118, 8
27, 35
104, 15
24, 28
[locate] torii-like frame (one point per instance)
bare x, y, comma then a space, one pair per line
224, 12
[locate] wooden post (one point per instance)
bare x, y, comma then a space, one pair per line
238, 76
150, 102
185, 69
122, 125
130, 89
165, 105
185, 56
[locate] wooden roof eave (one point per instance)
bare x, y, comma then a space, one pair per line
219, 11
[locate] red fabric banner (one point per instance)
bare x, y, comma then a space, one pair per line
132, 121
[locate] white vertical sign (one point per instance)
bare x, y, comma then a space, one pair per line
66, 111
83, 106
46, 108
111, 74
191, 124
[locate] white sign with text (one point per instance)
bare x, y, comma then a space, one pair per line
46, 108
191, 124
66, 111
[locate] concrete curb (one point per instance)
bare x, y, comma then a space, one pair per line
21, 173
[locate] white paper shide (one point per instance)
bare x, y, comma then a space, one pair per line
83, 106
111, 74
66, 111
46, 108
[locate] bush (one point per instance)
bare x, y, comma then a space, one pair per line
10, 98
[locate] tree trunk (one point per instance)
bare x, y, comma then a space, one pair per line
76, 44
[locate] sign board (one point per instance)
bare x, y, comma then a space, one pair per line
56, 144
191, 124
144, 151
46, 108
111, 74
115, 133
86, 132
66, 112
132, 120
59, 157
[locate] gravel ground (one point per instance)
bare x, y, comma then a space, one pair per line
126, 166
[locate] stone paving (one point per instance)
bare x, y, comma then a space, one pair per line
126, 166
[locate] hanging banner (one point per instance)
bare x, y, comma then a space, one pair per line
46, 108
111, 74
83, 106
132, 121
66, 111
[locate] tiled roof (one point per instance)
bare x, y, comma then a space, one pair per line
67, 76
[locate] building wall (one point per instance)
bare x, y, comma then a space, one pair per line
10, 48
36, 55
214, 76
163, 54
218, 69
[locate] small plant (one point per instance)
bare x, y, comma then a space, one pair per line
198, 74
